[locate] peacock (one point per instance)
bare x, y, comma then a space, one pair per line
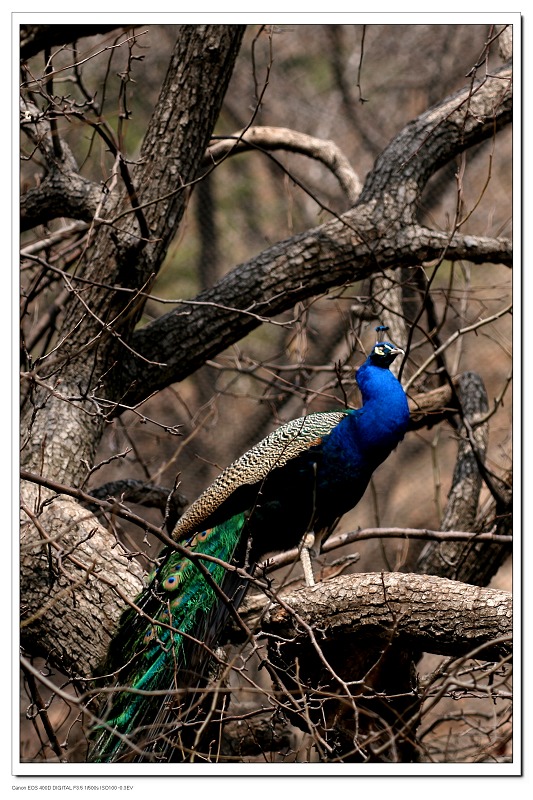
290, 489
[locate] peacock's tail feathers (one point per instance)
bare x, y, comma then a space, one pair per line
165, 648
298, 479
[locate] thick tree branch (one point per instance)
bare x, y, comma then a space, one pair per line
355, 638
474, 562
468, 117
423, 612
175, 141
378, 233
75, 579
62, 192
34, 38
318, 260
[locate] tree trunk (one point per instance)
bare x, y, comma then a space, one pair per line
62, 421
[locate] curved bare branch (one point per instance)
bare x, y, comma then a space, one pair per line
378, 233
270, 139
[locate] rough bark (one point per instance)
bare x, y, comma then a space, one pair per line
62, 191
398, 606
345, 649
472, 562
74, 582
379, 232
98, 321
62, 420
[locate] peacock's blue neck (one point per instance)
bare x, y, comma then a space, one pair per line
370, 433
383, 419
378, 383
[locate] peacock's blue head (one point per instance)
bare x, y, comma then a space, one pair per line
383, 354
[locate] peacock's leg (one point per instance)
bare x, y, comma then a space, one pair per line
306, 548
